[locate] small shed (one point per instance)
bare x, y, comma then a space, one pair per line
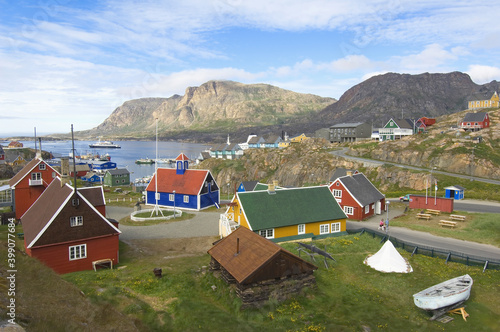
456, 192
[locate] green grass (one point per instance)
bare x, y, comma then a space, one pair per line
348, 296
478, 227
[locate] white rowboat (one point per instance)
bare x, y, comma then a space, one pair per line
444, 294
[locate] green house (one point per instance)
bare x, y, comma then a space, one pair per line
117, 177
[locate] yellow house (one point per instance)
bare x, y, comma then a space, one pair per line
298, 138
289, 214
479, 101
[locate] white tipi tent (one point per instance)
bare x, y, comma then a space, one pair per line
388, 259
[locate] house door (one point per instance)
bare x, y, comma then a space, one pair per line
378, 207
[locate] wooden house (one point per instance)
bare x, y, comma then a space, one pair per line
92, 177
259, 268
2, 156
183, 188
255, 142
15, 144
117, 177
247, 186
396, 129
357, 196
298, 138
287, 214
101, 166
475, 121
484, 100
66, 229
29, 183
272, 142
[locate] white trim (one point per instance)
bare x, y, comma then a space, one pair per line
336, 224
327, 229
79, 246
349, 208
298, 229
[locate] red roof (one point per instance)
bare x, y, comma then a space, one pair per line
189, 183
182, 157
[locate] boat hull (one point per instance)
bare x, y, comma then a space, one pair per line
444, 294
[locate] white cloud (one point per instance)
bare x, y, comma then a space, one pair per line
483, 74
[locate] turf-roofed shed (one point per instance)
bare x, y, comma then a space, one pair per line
259, 268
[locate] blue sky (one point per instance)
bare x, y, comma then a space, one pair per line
66, 62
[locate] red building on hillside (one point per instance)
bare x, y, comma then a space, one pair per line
29, 183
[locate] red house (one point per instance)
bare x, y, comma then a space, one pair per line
2, 155
29, 183
66, 230
427, 121
475, 121
357, 196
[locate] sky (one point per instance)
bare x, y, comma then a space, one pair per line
66, 62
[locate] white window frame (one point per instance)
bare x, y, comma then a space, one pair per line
171, 197
36, 176
367, 209
337, 193
301, 229
78, 252
324, 229
267, 233
349, 210
335, 227
76, 221
42, 167
186, 199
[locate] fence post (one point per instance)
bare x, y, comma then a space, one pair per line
447, 258
485, 266
414, 251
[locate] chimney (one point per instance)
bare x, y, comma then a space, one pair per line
64, 170
237, 246
271, 189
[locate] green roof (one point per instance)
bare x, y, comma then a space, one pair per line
286, 207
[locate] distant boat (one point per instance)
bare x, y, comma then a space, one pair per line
444, 294
144, 161
105, 144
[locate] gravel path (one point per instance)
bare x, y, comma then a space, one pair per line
203, 224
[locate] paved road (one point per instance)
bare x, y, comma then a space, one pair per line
468, 248
207, 224
375, 163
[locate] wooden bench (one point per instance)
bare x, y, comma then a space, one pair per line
435, 212
447, 223
423, 216
457, 217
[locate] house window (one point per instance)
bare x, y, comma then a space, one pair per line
76, 221
337, 193
75, 202
367, 209
335, 227
42, 167
36, 176
301, 229
171, 197
186, 199
77, 252
267, 233
324, 229
349, 210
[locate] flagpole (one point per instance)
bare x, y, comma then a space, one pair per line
157, 208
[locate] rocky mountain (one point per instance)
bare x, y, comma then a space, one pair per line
381, 97
216, 106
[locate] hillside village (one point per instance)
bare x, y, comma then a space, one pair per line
302, 196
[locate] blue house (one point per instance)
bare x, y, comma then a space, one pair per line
92, 177
183, 188
456, 192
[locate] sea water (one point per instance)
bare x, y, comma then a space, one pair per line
129, 152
